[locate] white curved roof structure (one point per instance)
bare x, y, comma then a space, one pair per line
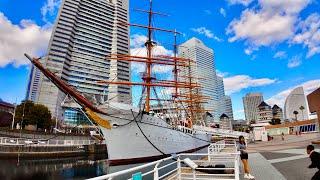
294, 101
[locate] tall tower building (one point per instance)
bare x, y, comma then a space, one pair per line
251, 102
34, 83
86, 32
228, 107
222, 106
203, 69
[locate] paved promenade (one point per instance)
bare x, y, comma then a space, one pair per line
280, 160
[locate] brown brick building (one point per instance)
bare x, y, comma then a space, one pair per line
314, 102
6, 107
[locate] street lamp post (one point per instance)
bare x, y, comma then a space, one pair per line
13, 115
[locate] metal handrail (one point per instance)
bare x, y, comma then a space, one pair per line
177, 173
43, 142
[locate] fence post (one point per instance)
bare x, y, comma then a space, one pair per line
236, 168
156, 172
179, 168
194, 174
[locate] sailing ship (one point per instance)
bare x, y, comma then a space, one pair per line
134, 135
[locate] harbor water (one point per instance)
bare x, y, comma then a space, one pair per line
64, 168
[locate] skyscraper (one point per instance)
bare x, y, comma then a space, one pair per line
203, 70
224, 102
85, 34
228, 107
34, 83
251, 102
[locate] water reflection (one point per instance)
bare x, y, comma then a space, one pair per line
55, 169
67, 168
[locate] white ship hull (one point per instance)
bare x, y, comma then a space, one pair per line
127, 143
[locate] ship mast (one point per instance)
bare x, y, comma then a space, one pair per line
175, 70
151, 82
149, 46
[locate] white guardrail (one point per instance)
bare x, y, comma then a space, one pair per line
202, 166
221, 132
44, 142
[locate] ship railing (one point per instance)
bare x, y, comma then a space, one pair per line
222, 165
43, 142
222, 132
229, 146
177, 167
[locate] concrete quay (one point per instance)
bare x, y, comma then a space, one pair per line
38, 152
277, 159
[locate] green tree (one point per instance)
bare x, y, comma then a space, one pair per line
23, 112
41, 116
275, 121
33, 114
296, 114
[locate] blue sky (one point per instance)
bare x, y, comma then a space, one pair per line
266, 46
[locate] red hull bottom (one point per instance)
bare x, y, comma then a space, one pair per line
117, 162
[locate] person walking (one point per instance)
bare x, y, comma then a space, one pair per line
244, 157
315, 161
282, 136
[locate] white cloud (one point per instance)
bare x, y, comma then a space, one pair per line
208, 12
162, 69
294, 62
308, 87
138, 49
223, 12
15, 40
137, 40
310, 34
222, 74
243, 2
49, 8
280, 55
138, 67
207, 33
271, 23
236, 83
248, 51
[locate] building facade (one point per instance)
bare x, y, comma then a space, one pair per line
228, 107
224, 102
86, 32
33, 87
314, 103
251, 102
264, 113
6, 107
225, 122
203, 70
305, 126
296, 102
277, 112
